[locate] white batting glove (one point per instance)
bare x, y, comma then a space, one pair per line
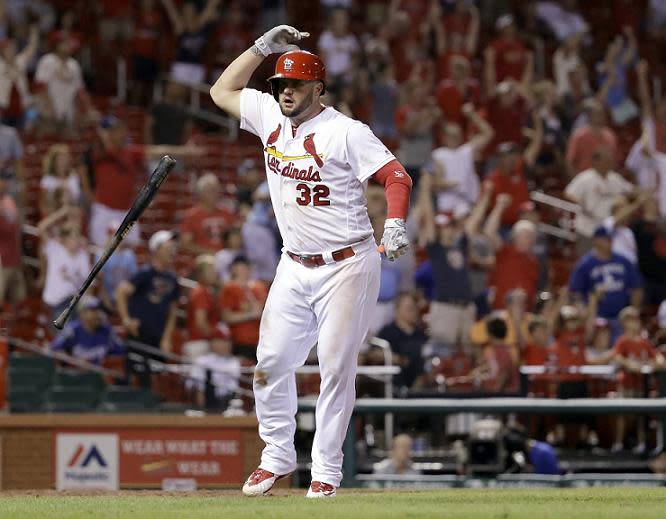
394, 240
279, 39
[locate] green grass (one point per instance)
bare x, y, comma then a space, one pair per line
589, 503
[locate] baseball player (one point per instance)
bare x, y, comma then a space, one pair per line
318, 162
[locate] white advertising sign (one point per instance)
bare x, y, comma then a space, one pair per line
86, 461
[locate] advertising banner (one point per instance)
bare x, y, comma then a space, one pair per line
209, 456
86, 461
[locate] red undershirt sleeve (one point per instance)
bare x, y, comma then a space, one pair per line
397, 186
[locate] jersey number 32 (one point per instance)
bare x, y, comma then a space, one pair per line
318, 195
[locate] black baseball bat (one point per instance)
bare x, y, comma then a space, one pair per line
142, 201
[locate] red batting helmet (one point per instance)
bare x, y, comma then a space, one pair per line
298, 64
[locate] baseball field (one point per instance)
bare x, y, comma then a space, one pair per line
588, 503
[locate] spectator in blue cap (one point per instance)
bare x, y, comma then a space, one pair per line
90, 337
609, 274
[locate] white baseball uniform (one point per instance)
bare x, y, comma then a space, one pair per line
316, 179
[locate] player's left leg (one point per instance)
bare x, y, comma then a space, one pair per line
347, 295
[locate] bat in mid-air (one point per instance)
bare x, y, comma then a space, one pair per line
142, 201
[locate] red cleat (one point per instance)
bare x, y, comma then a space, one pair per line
320, 490
260, 483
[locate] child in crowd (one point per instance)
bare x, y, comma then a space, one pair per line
632, 352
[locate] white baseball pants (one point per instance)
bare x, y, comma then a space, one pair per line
331, 306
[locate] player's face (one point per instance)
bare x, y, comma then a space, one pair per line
295, 96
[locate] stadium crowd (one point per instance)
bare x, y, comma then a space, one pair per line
483, 102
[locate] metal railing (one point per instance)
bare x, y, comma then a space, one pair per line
494, 406
63, 357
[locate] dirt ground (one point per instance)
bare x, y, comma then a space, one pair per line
226, 492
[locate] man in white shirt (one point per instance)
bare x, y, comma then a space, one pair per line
338, 47
594, 190
456, 181
60, 76
623, 240
225, 372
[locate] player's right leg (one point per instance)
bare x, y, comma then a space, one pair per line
287, 334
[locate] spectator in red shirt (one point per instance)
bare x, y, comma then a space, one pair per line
509, 176
205, 223
506, 56
516, 266
456, 34
117, 167
569, 348
535, 352
590, 138
457, 89
497, 371
633, 351
507, 111
242, 302
203, 311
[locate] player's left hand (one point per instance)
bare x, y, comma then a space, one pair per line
277, 40
394, 241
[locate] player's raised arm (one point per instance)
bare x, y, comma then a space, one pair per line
398, 188
226, 90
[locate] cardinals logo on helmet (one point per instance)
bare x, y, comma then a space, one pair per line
288, 63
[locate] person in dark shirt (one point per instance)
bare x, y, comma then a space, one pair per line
192, 28
147, 302
167, 122
650, 234
406, 339
446, 238
90, 337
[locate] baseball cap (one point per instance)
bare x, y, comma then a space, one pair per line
158, 239
445, 218
600, 322
569, 312
90, 303
602, 232
505, 148
504, 21
221, 332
